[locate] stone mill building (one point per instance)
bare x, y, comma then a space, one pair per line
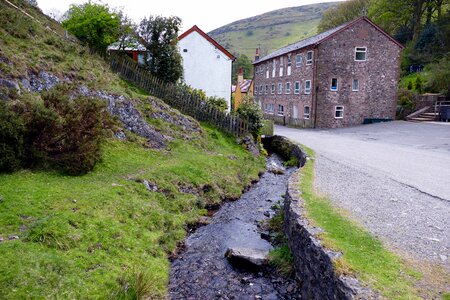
342, 77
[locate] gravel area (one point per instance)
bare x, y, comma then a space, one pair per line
394, 178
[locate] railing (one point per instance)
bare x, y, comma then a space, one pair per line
288, 121
176, 96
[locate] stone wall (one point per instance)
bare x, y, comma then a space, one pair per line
377, 75
312, 261
284, 147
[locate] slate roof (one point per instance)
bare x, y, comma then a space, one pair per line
208, 38
317, 39
244, 86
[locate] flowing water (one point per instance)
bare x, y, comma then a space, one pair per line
202, 271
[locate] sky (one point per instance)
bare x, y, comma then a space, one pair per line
208, 15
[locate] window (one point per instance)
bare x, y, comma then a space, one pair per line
338, 112
360, 53
281, 67
270, 108
334, 84
274, 66
306, 112
267, 70
280, 88
355, 85
261, 89
307, 86
185, 50
256, 90
267, 89
280, 110
309, 57
298, 61
297, 87
288, 88
289, 66
273, 89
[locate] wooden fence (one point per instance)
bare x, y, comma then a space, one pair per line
177, 96
288, 121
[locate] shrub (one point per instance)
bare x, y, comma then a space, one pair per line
218, 102
251, 112
62, 132
11, 139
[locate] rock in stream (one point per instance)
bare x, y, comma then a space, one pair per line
204, 272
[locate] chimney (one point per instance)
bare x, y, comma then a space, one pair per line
240, 75
257, 54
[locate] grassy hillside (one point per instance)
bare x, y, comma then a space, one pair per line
271, 30
106, 234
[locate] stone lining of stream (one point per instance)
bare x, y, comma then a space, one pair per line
312, 261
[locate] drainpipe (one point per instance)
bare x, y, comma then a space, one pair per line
315, 85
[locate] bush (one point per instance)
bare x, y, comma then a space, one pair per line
52, 130
251, 112
11, 139
218, 102
65, 132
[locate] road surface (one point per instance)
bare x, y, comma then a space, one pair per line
393, 177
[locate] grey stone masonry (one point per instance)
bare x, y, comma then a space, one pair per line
312, 261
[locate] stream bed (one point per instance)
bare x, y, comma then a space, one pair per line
203, 272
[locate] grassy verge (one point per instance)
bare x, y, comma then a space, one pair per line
363, 254
105, 235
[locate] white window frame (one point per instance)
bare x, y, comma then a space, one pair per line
353, 85
339, 108
281, 72
268, 70
274, 67
307, 90
297, 91
261, 89
282, 111
289, 64
272, 89
334, 89
361, 50
309, 60
267, 89
298, 60
287, 89
280, 88
306, 116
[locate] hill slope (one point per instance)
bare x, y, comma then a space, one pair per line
271, 30
106, 234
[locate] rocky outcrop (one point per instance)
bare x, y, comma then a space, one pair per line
288, 150
312, 261
249, 143
125, 110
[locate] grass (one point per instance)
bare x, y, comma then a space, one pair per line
363, 254
104, 235
271, 30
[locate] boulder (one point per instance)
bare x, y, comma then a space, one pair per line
247, 258
275, 168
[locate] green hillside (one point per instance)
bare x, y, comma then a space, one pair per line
271, 30
107, 234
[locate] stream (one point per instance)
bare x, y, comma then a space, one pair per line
203, 272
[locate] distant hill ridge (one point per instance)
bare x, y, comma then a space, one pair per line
271, 30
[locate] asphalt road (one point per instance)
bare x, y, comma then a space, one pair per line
394, 178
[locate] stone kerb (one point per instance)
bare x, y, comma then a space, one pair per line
312, 261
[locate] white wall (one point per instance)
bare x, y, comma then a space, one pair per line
206, 67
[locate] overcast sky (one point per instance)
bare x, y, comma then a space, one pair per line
207, 15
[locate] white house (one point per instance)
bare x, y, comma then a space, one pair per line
206, 64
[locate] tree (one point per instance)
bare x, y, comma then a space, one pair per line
93, 24
159, 35
242, 62
344, 12
250, 111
